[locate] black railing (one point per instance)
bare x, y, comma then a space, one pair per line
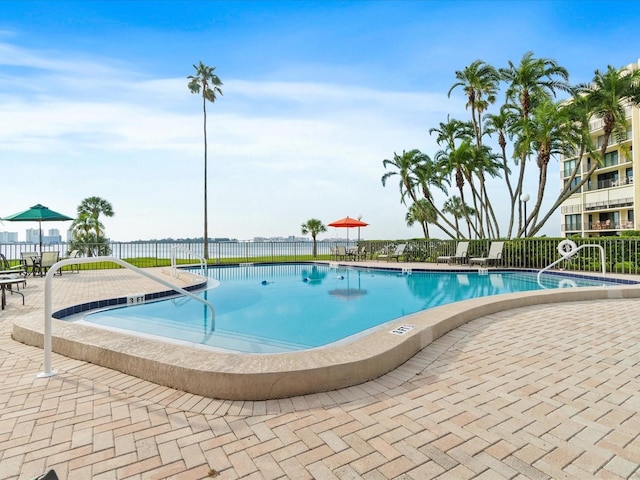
622, 253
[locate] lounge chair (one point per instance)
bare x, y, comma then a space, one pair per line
494, 256
397, 253
461, 254
76, 266
361, 253
47, 260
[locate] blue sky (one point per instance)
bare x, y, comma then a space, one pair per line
316, 95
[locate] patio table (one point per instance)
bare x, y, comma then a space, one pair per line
5, 284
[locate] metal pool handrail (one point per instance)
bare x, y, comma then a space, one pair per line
48, 307
203, 262
566, 255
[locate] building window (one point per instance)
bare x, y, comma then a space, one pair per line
574, 182
573, 222
611, 159
569, 167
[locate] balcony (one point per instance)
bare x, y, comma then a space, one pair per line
611, 203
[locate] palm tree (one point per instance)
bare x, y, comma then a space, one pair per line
480, 84
531, 82
93, 207
417, 171
207, 82
88, 230
405, 165
454, 207
500, 123
422, 212
551, 133
608, 95
313, 227
533, 79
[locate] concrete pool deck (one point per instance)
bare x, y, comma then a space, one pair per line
543, 391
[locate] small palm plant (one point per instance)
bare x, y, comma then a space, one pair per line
313, 227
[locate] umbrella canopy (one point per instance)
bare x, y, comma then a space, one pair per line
348, 222
38, 213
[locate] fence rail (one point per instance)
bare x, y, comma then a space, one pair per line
622, 253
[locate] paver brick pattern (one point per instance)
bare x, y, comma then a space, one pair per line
540, 392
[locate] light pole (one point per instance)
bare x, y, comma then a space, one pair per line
359, 219
525, 198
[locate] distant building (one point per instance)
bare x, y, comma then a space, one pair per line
8, 237
53, 237
33, 235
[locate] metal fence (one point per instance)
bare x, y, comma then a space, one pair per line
622, 254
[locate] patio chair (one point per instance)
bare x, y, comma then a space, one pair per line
47, 260
9, 271
461, 254
341, 252
397, 253
30, 262
76, 266
494, 256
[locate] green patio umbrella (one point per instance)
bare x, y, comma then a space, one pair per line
38, 213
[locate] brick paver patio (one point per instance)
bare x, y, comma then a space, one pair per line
539, 392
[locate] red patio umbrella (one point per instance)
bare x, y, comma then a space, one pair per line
348, 222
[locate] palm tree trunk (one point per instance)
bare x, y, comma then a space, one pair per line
206, 216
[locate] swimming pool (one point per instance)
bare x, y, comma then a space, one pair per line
292, 307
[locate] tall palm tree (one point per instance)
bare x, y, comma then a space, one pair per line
480, 84
207, 82
416, 171
405, 165
457, 161
552, 133
500, 123
532, 79
313, 227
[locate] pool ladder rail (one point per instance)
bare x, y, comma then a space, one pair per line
567, 249
48, 300
174, 262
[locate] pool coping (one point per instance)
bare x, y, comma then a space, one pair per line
241, 376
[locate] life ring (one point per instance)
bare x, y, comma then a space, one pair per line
567, 248
567, 283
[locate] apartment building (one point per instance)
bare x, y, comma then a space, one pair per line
606, 204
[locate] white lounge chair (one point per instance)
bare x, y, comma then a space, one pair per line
494, 256
460, 255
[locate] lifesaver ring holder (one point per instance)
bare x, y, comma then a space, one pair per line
567, 248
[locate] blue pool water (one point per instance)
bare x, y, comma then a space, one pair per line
279, 308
